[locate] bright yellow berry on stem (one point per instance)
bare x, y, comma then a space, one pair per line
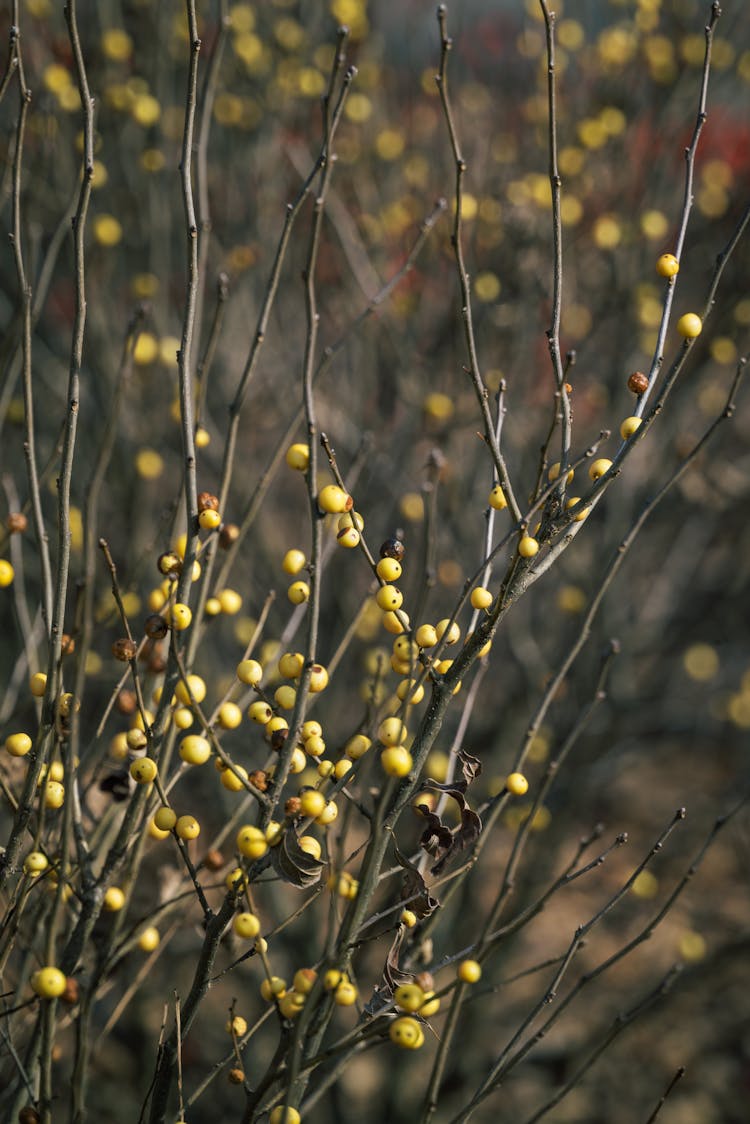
180, 615
230, 601
298, 457
149, 939
389, 598
246, 925
481, 598
7, 573
311, 802
304, 980
497, 499
517, 784
318, 679
310, 846
431, 1005
298, 592
285, 697
272, 988
281, 1115
209, 520
469, 971
345, 994
114, 899
334, 500
232, 779
528, 546
409, 997
406, 1033
357, 746
144, 770
259, 712
599, 468
291, 664
293, 562
690, 326
250, 672
38, 684
35, 863
426, 636
333, 978
348, 537
388, 569
450, 632
629, 426
229, 716
195, 749
410, 688
408, 918
315, 746
236, 1026
48, 983
667, 265
18, 745
182, 718
251, 842
54, 794
187, 827
391, 731
328, 815
396, 761
165, 819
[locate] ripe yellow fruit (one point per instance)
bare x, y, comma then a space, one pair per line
345, 994
396, 761
689, 326
497, 499
281, 1115
180, 615
392, 731
298, 457
165, 819
409, 997
528, 546
187, 827
357, 746
18, 745
389, 598
388, 569
334, 500
250, 672
54, 794
232, 779
290, 1004
293, 562
318, 678
517, 784
191, 689
629, 426
114, 899
35, 863
246, 925
408, 918
310, 846
38, 684
230, 601
298, 592
149, 939
312, 802
209, 520
144, 770
554, 473
229, 716
406, 1032
304, 980
7, 573
667, 265
599, 468
451, 633
273, 988
426, 636
236, 1026
260, 712
481, 598
469, 971
195, 749
48, 983
251, 842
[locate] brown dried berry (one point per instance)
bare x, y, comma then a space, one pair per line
16, 522
236, 1076
638, 383
127, 702
156, 627
207, 502
67, 644
278, 737
228, 534
70, 995
124, 649
259, 778
213, 859
425, 980
393, 548
169, 564
157, 664
28, 1115
292, 806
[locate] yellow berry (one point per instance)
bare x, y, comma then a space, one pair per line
310, 846
230, 601
304, 979
341, 768
298, 457
149, 939
293, 562
328, 815
273, 988
236, 1026
232, 779
408, 918
345, 994
49, 983
431, 1005
357, 746
426, 636
528, 546
246, 925
7, 573
689, 326
667, 265
35, 863
114, 899
348, 537
388, 569
280, 1115
209, 520
334, 500
144, 770
409, 997
497, 499
333, 978
195, 749
38, 684
469, 971
54, 794
187, 827
389, 598
291, 665
481, 598
395, 623
391, 731
396, 761
18, 745
285, 697
450, 632
517, 784
180, 616
406, 1033
599, 468
229, 716
298, 592
318, 679
629, 426
251, 842
554, 473
165, 819
259, 712
250, 672
312, 802
315, 746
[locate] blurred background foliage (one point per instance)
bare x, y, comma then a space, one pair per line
395, 400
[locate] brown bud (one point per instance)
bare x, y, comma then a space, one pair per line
67, 644
169, 564
70, 995
425, 980
28, 1115
157, 664
278, 737
213, 859
259, 778
16, 522
156, 627
236, 1076
638, 383
124, 649
393, 548
127, 702
292, 806
228, 534
207, 502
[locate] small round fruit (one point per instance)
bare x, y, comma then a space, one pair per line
629, 426
298, 593
35, 863
528, 546
554, 473
310, 846
481, 598
272, 988
348, 537
260, 712
236, 1026
195, 749
251, 842
450, 632
48, 983
229, 716
180, 615
291, 1004
638, 383
357, 746
165, 819
18, 745
209, 520
388, 569
516, 784
285, 697
293, 562
54, 794
431, 1005
328, 815
7, 573
250, 672
396, 761
114, 899
190, 690
667, 265
304, 980
409, 997
318, 678
334, 500
406, 1032
408, 918
469, 971
291, 664
298, 457
389, 598
345, 994
233, 779
247, 926
497, 499
187, 827
281, 1115
392, 731
149, 939
426, 636
689, 326
38, 684
144, 770
230, 601
599, 467
312, 802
